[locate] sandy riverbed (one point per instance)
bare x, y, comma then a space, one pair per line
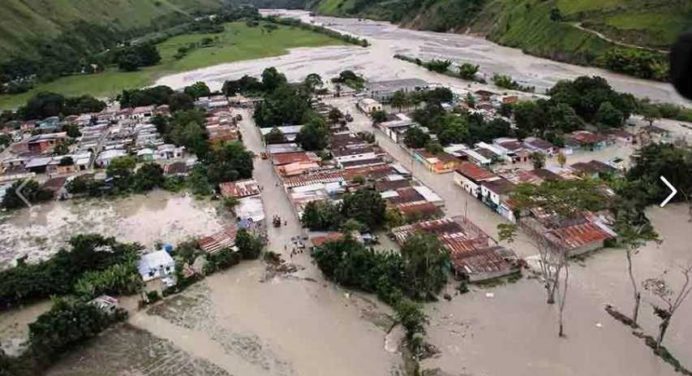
377, 62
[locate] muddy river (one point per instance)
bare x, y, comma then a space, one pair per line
377, 62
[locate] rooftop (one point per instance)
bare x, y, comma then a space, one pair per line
394, 85
474, 172
241, 188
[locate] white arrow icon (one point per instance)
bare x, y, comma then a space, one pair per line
19, 194
672, 189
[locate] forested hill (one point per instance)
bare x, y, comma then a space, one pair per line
28, 22
591, 32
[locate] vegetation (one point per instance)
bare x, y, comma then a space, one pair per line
419, 272
61, 274
31, 191
237, 42
506, 82
44, 105
364, 206
350, 79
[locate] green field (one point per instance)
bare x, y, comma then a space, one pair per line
27, 20
238, 42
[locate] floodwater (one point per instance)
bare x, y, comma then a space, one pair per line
250, 320
40, 231
377, 62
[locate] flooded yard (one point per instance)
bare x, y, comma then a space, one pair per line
40, 231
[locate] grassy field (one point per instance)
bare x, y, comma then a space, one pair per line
238, 42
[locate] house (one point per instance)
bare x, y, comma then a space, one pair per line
384, 90
495, 194
289, 131
107, 156
44, 143
224, 239
169, 151
535, 144
585, 140
240, 188
155, 265
575, 238
477, 264
342, 155
469, 176
143, 112
396, 125
55, 186
515, 149
621, 136
250, 209
440, 163
369, 105
178, 168
593, 169
38, 165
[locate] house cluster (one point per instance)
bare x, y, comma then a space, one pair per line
220, 122
495, 189
472, 253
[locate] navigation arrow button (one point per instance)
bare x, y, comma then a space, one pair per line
672, 190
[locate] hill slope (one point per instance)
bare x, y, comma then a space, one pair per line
26, 21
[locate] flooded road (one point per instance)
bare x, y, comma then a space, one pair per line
377, 61
157, 216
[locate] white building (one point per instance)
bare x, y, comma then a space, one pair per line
369, 105
154, 265
383, 90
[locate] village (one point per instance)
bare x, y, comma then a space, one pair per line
459, 193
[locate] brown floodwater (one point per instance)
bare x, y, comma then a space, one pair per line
40, 231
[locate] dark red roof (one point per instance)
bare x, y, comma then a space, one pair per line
474, 172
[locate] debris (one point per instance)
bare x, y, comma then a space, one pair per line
489, 295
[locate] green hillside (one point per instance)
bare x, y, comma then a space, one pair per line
26, 21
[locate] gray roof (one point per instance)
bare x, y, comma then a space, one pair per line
394, 85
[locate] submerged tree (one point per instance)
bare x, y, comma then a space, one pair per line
671, 300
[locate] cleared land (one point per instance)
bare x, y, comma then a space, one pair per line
237, 42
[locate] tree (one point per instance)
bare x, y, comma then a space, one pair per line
32, 191
61, 148
530, 117
284, 105
43, 105
555, 14
275, 136
72, 131
564, 118
426, 262
181, 102
321, 216
197, 90
249, 246
671, 300
272, 79
650, 113
470, 100
434, 147
313, 81
634, 230
121, 170
453, 130
378, 116
366, 206
229, 162
538, 159
313, 135
561, 159
148, 177
565, 200
399, 100
67, 324
609, 116
334, 115
436, 96
129, 62
439, 66
468, 71
416, 138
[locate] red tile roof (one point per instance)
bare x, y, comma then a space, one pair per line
330, 237
474, 172
576, 236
